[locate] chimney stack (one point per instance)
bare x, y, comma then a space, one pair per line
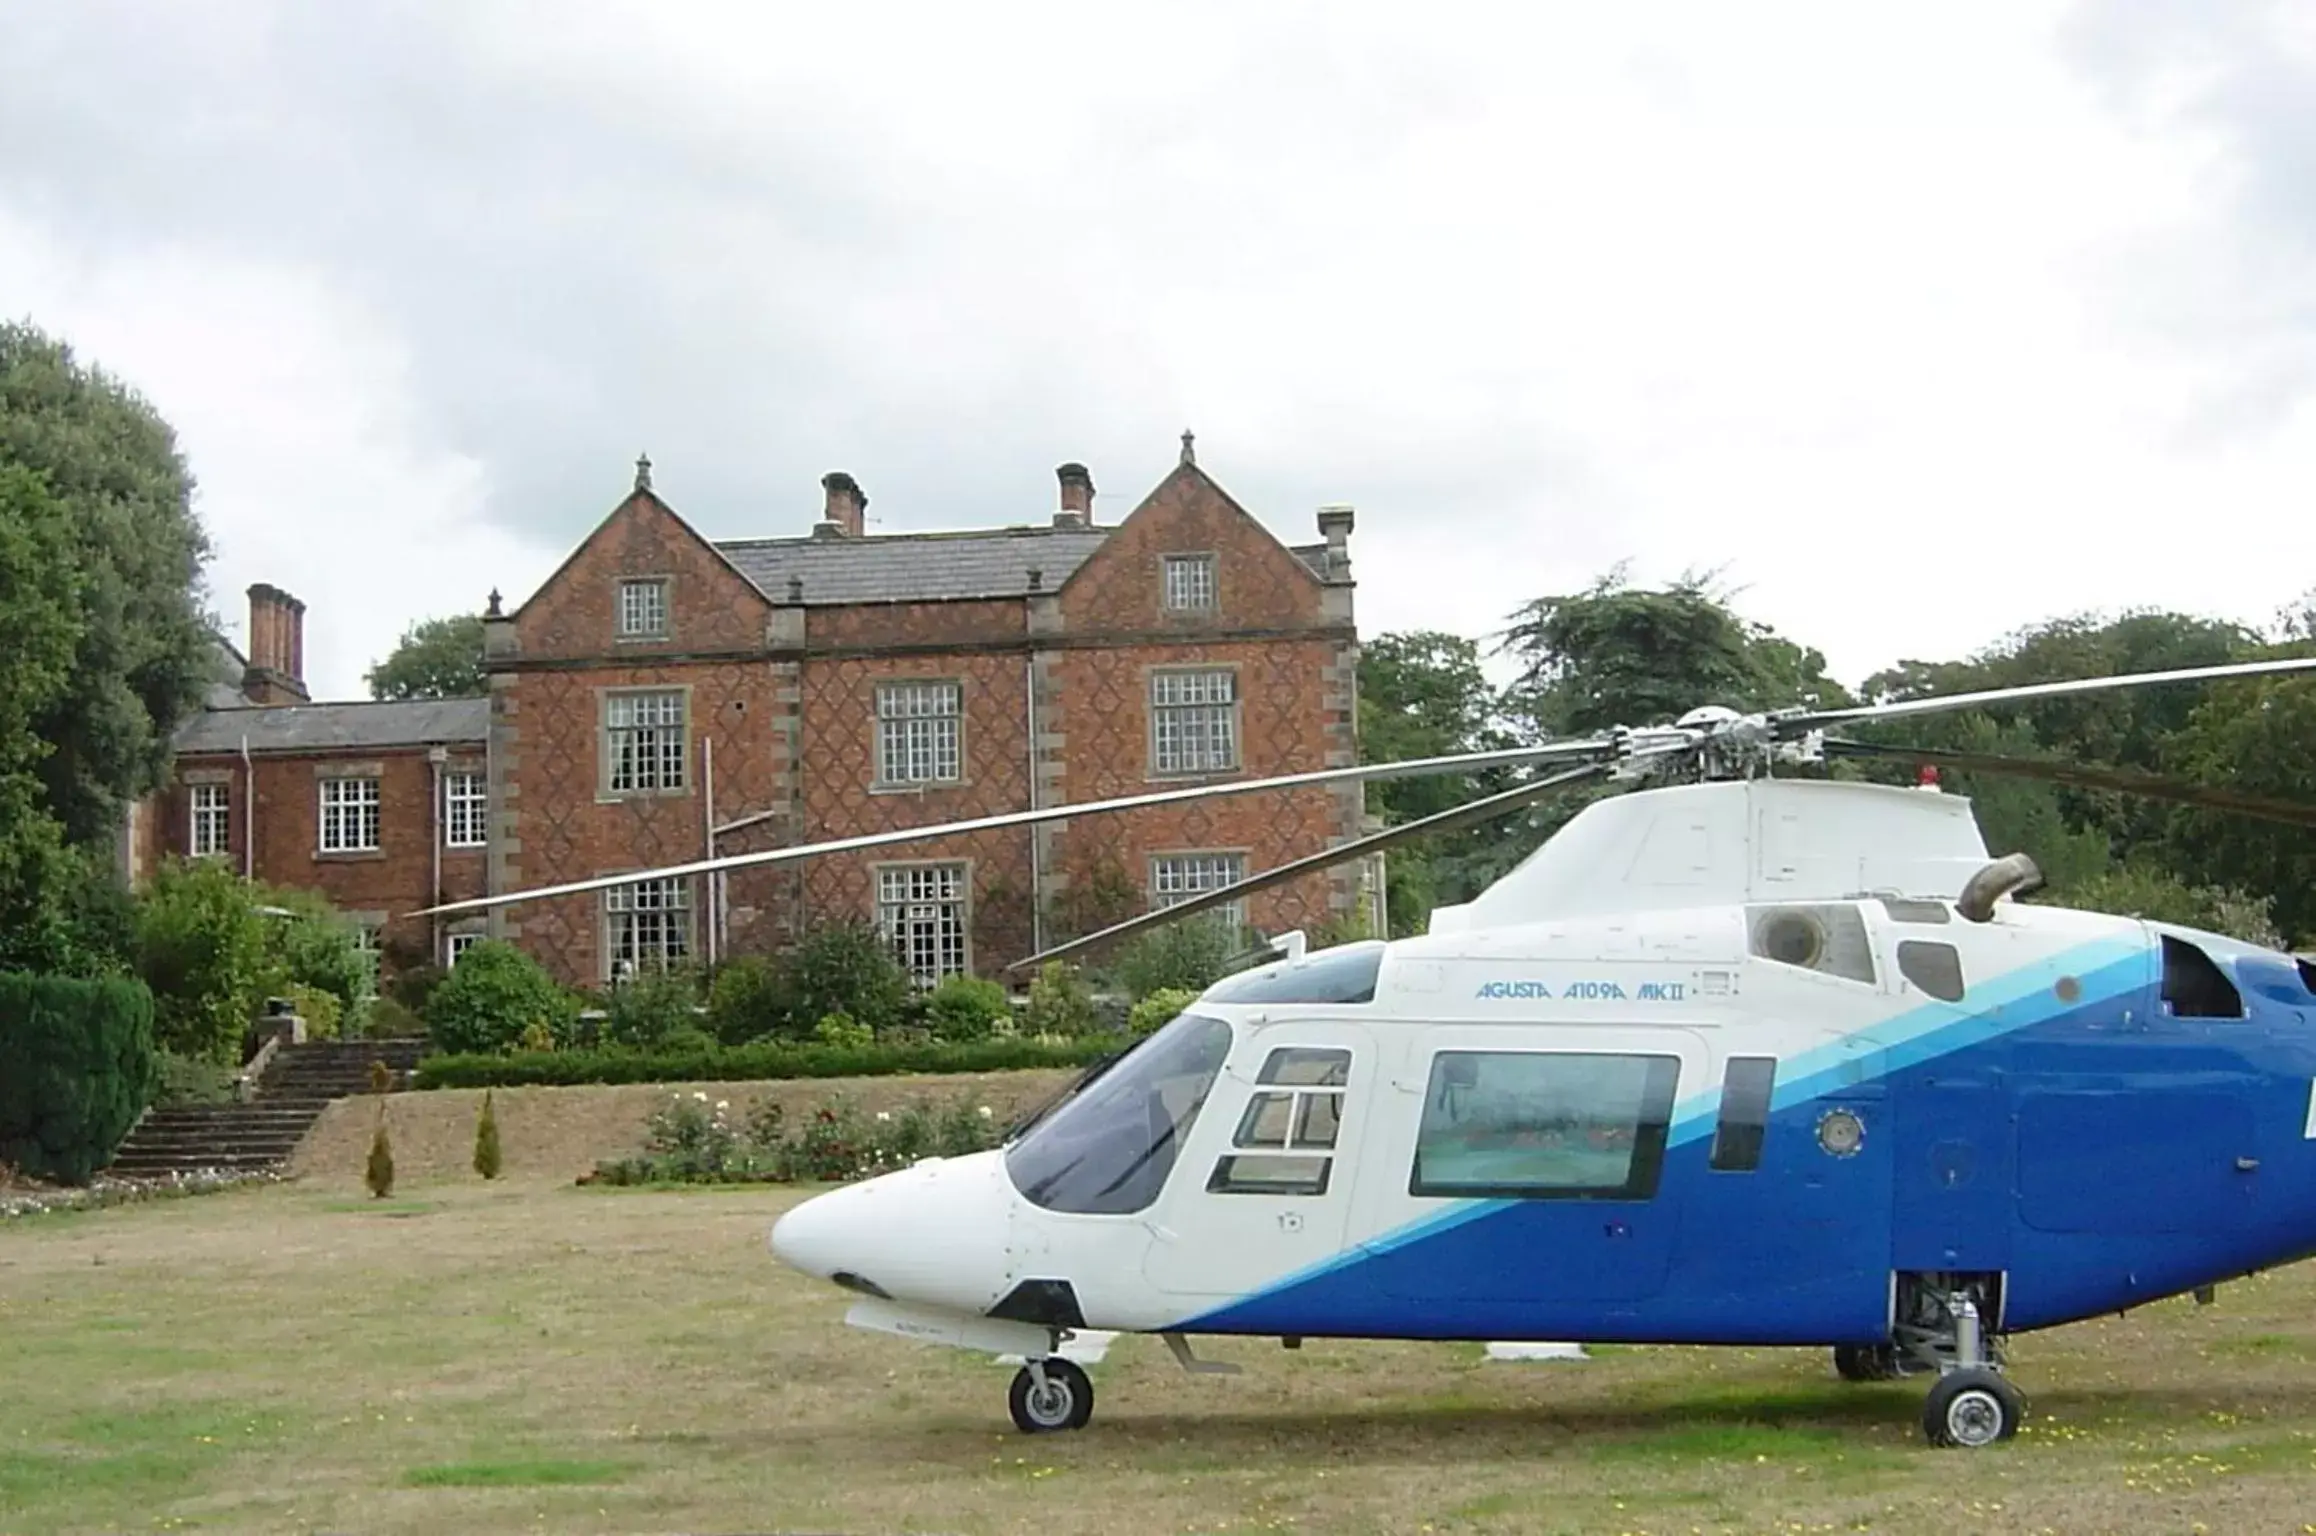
846, 515
277, 647
1077, 497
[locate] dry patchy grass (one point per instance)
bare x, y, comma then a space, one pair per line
532, 1356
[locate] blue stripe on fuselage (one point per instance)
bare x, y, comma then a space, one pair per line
1351, 1290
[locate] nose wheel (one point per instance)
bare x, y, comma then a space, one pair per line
1050, 1394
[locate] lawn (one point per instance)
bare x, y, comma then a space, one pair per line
533, 1356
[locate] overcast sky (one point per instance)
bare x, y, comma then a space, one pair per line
1925, 322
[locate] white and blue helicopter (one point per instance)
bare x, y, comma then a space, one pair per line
1733, 1059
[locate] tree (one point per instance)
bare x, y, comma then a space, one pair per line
437, 659
1423, 694
142, 649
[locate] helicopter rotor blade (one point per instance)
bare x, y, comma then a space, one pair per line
1599, 748
1473, 813
1814, 719
2130, 781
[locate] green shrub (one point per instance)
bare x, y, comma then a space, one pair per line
968, 1008
744, 1002
494, 994
383, 1018
202, 951
843, 1029
191, 1080
769, 1061
320, 1010
314, 947
1060, 1002
641, 1013
414, 987
1187, 956
690, 1141
1158, 1008
77, 1067
378, 1174
486, 1142
841, 967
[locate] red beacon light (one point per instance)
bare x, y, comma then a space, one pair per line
1928, 779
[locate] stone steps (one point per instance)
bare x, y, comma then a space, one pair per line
299, 1083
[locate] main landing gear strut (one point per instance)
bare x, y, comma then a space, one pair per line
1941, 1328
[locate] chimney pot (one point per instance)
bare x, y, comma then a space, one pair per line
1077, 497
846, 512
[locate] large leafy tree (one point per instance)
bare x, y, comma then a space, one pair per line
1425, 694
436, 659
135, 551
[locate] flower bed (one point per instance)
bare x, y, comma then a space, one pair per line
34, 1199
697, 1141
753, 1063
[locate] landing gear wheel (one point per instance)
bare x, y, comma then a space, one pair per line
1862, 1362
1972, 1407
1064, 1401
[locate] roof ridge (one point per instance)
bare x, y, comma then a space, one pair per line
808, 541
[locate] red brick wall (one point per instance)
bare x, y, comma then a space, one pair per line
392, 882
712, 608
913, 624
554, 817
1259, 584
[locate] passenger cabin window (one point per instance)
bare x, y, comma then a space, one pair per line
2194, 986
1935, 968
1107, 1148
1297, 1119
1544, 1125
1828, 938
1745, 1089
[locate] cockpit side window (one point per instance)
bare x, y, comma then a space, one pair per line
2194, 986
1297, 1118
1107, 1149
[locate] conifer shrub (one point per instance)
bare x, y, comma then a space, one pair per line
486, 1141
381, 1077
78, 1065
379, 1175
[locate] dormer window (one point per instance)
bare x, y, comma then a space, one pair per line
1189, 583
643, 609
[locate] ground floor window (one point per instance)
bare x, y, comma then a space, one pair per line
649, 926
922, 911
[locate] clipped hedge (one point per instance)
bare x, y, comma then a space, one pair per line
755, 1063
77, 1067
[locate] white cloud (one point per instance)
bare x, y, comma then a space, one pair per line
1923, 329
294, 411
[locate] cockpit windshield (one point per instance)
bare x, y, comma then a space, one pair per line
1107, 1149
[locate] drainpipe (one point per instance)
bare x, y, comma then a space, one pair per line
708, 830
435, 758
249, 812
1036, 870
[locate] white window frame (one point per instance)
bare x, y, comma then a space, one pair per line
646, 926
350, 815
1189, 583
643, 608
920, 733
1193, 721
456, 944
925, 912
465, 810
1176, 877
209, 809
636, 745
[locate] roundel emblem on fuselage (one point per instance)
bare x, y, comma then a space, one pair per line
1840, 1132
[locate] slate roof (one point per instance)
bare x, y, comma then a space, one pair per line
925, 567
328, 727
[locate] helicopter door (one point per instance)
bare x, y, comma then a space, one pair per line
1525, 1165
1263, 1188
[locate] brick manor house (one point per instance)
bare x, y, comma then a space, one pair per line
661, 696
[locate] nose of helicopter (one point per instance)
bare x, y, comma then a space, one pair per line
935, 1233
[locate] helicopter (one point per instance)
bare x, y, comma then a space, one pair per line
1733, 1058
